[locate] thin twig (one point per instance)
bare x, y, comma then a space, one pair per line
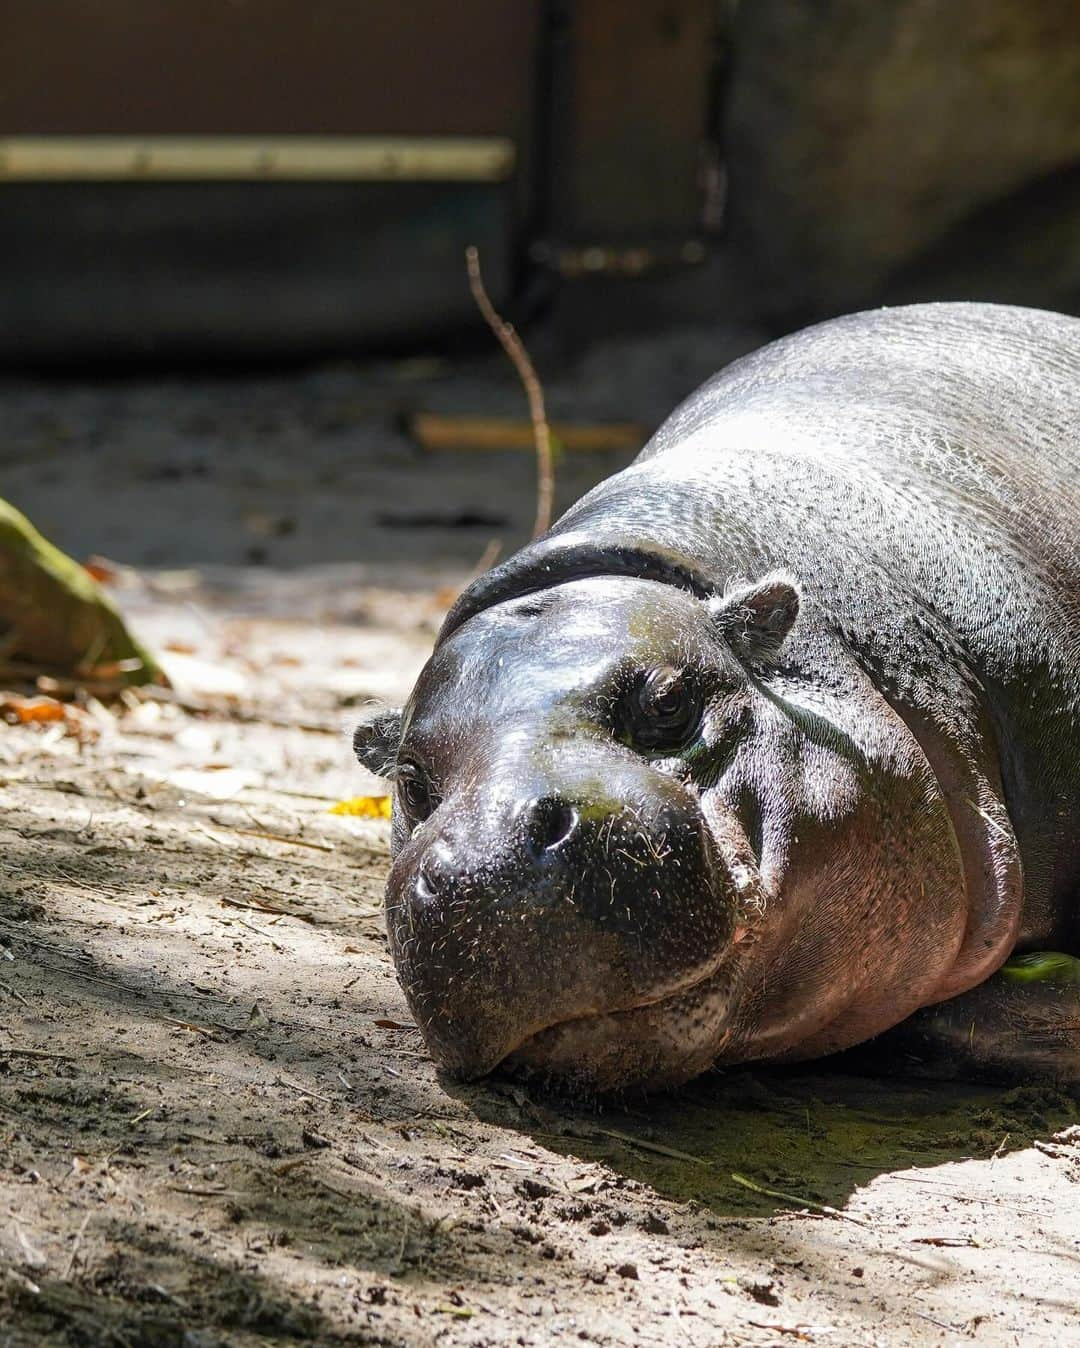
795, 1198
34, 1053
487, 559
512, 344
209, 1029
13, 992
657, 1147
202, 1193
259, 932
303, 1090
962, 1197
593, 1134
129, 988
284, 791
280, 838
258, 906
75, 1247
941, 1324
229, 711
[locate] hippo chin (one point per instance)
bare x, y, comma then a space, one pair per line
774, 739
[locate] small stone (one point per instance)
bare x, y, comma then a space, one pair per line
534, 1189
468, 1179
762, 1290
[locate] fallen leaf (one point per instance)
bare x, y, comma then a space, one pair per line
18, 710
392, 1025
102, 571
807, 1333
113, 669
363, 807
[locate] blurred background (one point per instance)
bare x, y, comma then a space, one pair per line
232, 288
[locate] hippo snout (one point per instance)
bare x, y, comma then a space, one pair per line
454, 868
513, 913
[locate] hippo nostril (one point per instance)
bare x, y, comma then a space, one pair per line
433, 875
549, 823
424, 888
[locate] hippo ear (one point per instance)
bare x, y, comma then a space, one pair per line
755, 619
376, 740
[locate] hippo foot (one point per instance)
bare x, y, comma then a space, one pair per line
1020, 1026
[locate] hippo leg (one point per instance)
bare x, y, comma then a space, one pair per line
1022, 1025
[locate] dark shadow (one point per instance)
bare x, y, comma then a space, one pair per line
813, 1135
1023, 248
354, 1211
125, 1305
298, 1029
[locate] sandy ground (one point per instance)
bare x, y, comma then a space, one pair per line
218, 1125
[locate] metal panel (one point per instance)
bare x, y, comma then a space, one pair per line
630, 101
265, 67
251, 158
201, 271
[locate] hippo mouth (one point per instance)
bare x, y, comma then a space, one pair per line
655, 1045
595, 958
656, 1040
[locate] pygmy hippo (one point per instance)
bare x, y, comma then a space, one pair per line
774, 739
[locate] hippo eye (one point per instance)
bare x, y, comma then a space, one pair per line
416, 791
664, 710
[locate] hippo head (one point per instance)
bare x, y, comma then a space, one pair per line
599, 793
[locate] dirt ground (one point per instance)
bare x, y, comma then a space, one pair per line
218, 1125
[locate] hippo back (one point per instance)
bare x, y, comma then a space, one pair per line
971, 407
933, 449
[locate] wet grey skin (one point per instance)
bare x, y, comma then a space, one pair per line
773, 742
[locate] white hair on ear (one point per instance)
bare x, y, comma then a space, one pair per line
376, 740
756, 617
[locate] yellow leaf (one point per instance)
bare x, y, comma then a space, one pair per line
364, 807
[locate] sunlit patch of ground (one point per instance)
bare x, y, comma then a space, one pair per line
219, 1126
